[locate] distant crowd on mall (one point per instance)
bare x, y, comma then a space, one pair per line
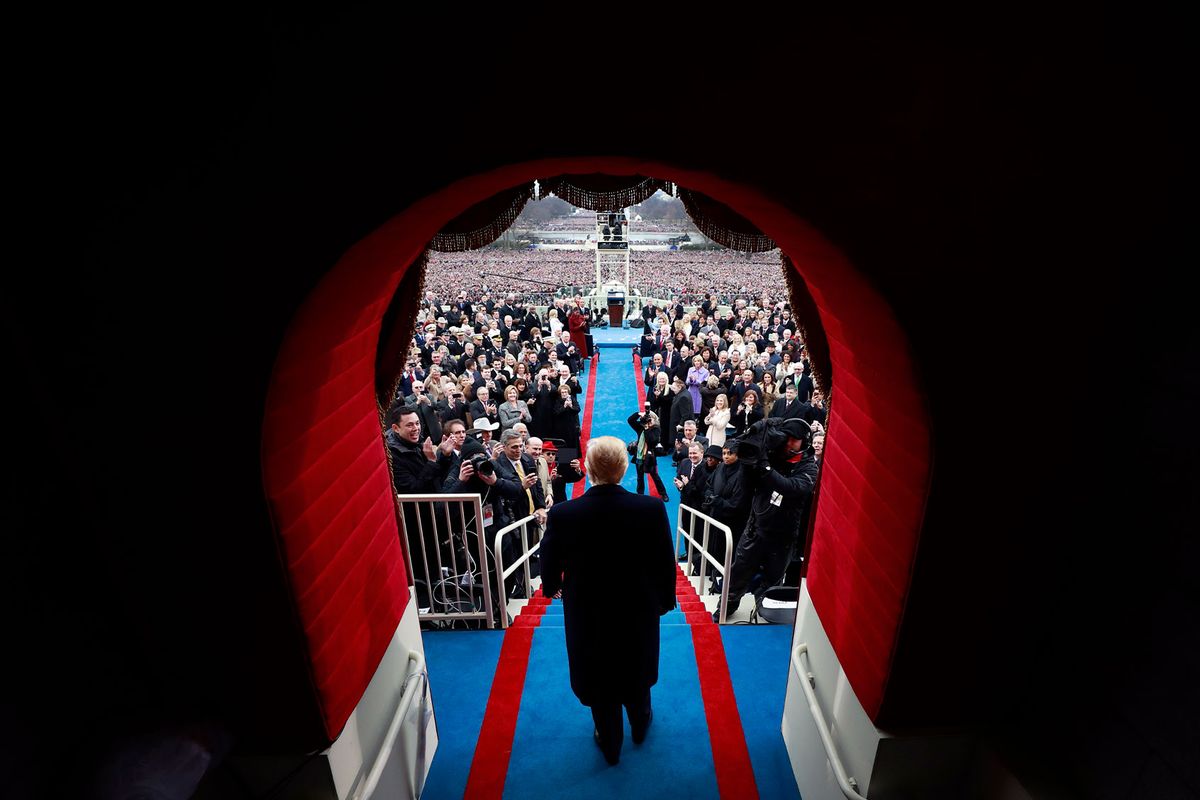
687, 274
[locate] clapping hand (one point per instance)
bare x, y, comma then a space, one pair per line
447, 446
428, 449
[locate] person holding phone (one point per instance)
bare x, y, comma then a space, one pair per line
566, 417
541, 405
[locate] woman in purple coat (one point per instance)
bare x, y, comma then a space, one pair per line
696, 377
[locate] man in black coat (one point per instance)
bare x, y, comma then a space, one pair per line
727, 499
418, 467
647, 345
814, 410
789, 406
681, 409
693, 473
651, 373
483, 407
431, 422
612, 637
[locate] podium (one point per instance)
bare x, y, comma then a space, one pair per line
616, 309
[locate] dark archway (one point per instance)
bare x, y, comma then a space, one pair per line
326, 477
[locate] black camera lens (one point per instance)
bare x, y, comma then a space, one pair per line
482, 464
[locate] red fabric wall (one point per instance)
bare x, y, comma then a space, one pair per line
325, 470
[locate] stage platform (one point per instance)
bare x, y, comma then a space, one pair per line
616, 337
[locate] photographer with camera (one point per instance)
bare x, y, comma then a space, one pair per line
642, 450
478, 475
776, 457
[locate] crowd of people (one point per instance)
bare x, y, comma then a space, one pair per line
681, 274
488, 404
587, 222
732, 400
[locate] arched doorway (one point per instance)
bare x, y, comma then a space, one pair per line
326, 477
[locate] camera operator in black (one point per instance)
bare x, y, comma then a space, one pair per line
645, 425
776, 455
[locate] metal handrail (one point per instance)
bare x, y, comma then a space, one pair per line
434, 580
417, 676
690, 536
523, 559
846, 783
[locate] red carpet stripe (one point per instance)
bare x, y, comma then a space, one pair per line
489, 766
585, 425
731, 757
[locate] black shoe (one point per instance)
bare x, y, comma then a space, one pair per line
612, 760
717, 616
640, 736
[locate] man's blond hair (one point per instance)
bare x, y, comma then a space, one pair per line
606, 460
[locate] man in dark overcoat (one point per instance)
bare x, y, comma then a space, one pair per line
612, 636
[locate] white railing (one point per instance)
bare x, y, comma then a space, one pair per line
522, 560
412, 760
846, 783
701, 546
457, 566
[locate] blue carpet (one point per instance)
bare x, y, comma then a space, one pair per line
617, 396
461, 667
611, 338
553, 752
759, 658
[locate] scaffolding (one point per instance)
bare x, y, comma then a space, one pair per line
612, 251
